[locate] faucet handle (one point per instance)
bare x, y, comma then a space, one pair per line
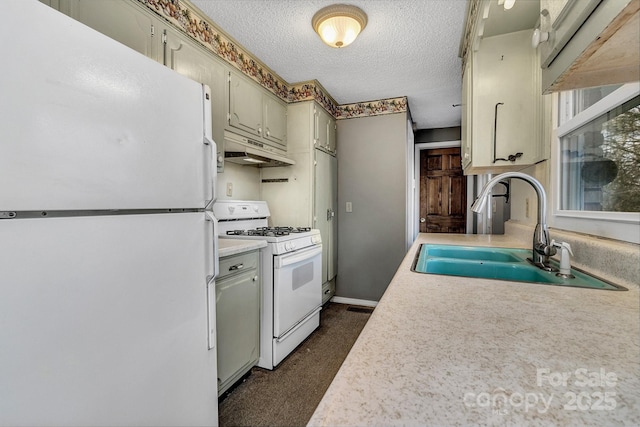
562, 245
565, 262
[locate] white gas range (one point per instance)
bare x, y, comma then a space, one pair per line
291, 276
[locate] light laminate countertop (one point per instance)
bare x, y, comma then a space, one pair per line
445, 351
228, 247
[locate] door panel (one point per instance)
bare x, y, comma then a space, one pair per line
245, 105
107, 312
442, 191
297, 288
120, 20
134, 127
237, 303
275, 122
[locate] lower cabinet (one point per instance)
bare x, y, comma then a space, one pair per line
237, 317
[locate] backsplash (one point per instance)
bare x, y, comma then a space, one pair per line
191, 21
613, 260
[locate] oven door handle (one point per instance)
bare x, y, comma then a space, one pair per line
298, 256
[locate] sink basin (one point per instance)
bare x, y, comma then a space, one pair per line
476, 253
497, 263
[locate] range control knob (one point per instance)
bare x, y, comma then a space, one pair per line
289, 246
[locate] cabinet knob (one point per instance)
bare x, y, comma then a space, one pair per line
255, 278
539, 37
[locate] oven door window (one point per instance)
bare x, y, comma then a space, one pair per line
297, 287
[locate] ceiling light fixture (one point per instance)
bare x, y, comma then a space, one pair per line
338, 25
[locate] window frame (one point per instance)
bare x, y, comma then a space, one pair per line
624, 226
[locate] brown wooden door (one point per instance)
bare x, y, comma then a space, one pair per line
443, 191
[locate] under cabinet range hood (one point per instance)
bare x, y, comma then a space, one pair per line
245, 151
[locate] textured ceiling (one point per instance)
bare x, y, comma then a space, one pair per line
409, 48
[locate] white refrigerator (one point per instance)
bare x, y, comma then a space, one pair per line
107, 241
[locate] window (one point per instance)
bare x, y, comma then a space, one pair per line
596, 160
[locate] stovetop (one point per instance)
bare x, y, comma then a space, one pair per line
269, 231
238, 219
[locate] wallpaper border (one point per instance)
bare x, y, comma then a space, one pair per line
189, 19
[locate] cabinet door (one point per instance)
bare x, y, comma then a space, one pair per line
121, 20
561, 19
322, 188
185, 57
332, 267
507, 99
237, 323
324, 130
332, 136
325, 202
245, 105
275, 121
466, 113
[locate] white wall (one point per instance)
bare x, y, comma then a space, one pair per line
372, 176
245, 182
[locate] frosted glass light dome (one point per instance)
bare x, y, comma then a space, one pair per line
338, 25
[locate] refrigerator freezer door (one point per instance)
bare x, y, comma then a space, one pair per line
89, 124
104, 321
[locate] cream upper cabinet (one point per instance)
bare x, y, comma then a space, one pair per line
255, 112
186, 57
466, 113
324, 130
586, 43
245, 105
502, 106
124, 21
275, 120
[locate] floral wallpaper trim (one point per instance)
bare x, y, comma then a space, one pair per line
313, 91
372, 108
186, 17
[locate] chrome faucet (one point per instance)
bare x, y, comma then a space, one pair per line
542, 248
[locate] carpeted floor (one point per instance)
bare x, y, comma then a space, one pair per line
288, 395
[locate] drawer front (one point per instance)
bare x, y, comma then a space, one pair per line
238, 263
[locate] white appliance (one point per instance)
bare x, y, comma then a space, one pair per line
108, 241
291, 276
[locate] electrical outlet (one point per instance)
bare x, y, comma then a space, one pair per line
229, 189
526, 207
349, 207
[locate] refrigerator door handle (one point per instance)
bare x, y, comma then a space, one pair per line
207, 139
212, 170
215, 266
211, 280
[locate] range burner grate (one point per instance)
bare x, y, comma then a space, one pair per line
269, 231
